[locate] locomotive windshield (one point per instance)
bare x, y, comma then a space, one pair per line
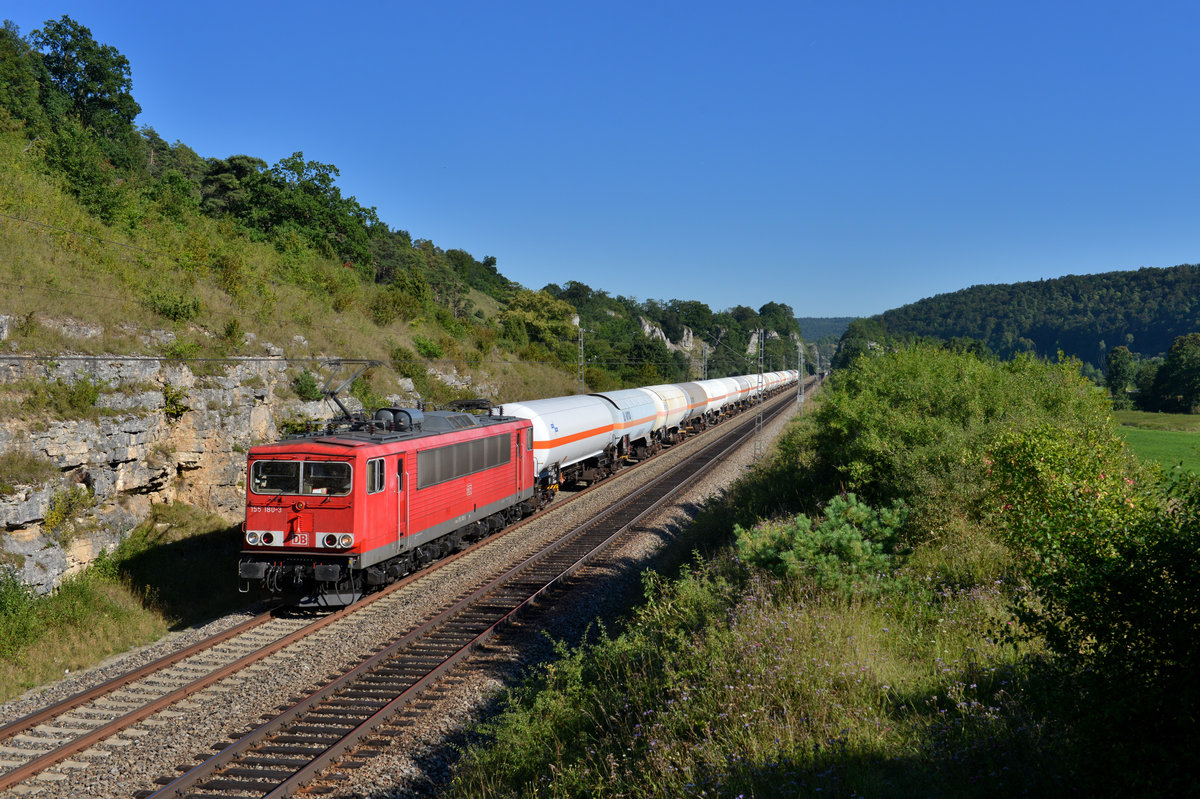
323, 478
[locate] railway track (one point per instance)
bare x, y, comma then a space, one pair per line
37, 742
340, 721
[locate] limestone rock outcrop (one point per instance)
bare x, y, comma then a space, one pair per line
163, 434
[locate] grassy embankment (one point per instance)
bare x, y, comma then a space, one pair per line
1169, 439
962, 644
175, 569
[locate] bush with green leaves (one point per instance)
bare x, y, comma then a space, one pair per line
852, 543
175, 401
407, 363
912, 424
1110, 551
66, 505
174, 305
182, 349
427, 347
1110, 548
362, 390
306, 386
389, 305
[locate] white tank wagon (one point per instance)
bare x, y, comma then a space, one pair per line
717, 391
737, 397
637, 416
675, 410
732, 391
574, 438
697, 399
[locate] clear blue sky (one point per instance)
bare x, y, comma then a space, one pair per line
841, 157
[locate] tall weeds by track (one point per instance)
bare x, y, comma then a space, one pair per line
956, 657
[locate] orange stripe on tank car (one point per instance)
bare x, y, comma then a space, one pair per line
555, 442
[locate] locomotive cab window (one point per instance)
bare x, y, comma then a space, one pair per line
275, 477
375, 476
300, 477
331, 479
400, 475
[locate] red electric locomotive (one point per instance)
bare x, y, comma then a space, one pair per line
364, 501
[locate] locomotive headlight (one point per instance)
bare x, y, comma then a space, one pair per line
346, 540
252, 538
268, 539
331, 540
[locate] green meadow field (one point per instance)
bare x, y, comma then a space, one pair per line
1170, 439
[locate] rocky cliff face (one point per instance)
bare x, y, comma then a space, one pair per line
164, 435
687, 344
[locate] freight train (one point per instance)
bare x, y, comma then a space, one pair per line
338, 511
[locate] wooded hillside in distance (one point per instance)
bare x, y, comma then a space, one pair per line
815, 327
1082, 315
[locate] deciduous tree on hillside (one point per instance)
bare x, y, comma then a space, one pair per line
96, 77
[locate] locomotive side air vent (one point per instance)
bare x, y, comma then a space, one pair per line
402, 418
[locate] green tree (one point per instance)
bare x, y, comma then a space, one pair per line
23, 78
1177, 383
1147, 376
861, 336
303, 197
164, 157
96, 77
233, 186
535, 317
73, 152
693, 314
1121, 370
780, 318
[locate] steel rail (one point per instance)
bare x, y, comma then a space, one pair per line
83, 697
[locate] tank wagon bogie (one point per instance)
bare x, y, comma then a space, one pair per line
334, 512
